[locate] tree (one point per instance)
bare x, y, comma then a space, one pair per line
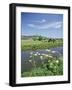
40, 38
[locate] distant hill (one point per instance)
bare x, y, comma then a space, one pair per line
28, 37
34, 36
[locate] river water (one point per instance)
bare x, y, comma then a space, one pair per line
26, 65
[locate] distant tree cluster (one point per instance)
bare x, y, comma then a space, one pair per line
51, 40
40, 38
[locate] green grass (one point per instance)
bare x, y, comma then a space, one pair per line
53, 66
50, 68
34, 45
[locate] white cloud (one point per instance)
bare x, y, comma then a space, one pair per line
43, 20
51, 25
40, 21
56, 25
31, 25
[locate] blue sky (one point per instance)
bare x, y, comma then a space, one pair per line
44, 24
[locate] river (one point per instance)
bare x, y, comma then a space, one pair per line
26, 65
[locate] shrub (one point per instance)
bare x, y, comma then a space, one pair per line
50, 66
40, 38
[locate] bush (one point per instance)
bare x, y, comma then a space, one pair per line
49, 68
40, 38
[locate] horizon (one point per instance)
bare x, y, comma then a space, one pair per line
42, 24
38, 36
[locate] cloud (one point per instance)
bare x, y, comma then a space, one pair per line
54, 25
40, 21
51, 25
31, 25
43, 20
58, 26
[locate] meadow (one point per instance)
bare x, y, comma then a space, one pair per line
34, 44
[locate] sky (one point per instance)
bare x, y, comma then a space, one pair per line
44, 24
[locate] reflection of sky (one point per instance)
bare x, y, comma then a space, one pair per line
48, 25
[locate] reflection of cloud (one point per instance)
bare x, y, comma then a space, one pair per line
56, 25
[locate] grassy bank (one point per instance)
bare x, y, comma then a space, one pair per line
34, 45
52, 67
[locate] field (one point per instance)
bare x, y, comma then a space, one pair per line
30, 44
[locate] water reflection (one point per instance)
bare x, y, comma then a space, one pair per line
25, 63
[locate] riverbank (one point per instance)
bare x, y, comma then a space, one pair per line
34, 45
48, 62
49, 66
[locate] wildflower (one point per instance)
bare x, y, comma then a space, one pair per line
55, 67
30, 60
41, 57
38, 53
46, 55
43, 54
57, 61
50, 56
30, 56
48, 50
35, 54
51, 65
48, 60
